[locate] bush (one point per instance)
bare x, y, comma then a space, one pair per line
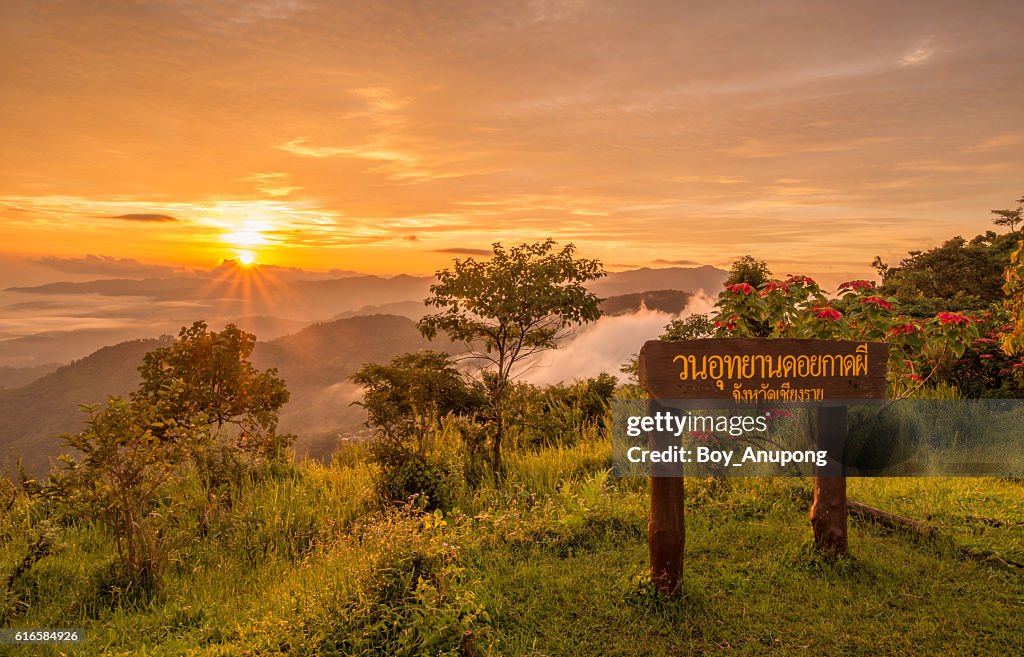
412, 599
432, 483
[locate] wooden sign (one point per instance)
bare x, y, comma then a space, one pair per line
764, 370
761, 372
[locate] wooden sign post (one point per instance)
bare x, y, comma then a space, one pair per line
757, 372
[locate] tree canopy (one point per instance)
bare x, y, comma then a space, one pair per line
959, 275
519, 302
220, 386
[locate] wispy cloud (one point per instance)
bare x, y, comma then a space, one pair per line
997, 142
465, 251
274, 184
300, 146
144, 216
663, 261
918, 55
100, 265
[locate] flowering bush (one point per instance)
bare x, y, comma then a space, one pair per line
797, 307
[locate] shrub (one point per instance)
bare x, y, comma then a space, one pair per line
405, 475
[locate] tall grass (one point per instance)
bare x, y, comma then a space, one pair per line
547, 559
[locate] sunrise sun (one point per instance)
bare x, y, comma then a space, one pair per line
246, 258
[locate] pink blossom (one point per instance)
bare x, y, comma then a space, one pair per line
740, 288
830, 314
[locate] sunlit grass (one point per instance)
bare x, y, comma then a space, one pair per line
547, 560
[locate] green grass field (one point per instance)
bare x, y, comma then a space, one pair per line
550, 562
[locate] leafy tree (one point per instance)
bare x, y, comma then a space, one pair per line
220, 388
750, 272
408, 400
1010, 218
520, 302
957, 276
693, 327
413, 389
561, 414
749, 269
129, 452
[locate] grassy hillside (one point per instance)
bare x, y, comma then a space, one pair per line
551, 561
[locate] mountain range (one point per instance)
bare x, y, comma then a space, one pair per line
40, 403
80, 318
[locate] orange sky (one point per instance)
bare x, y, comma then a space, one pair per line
382, 136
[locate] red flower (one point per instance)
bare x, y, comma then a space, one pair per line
952, 318
775, 285
740, 288
728, 326
857, 285
830, 314
877, 301
915, 377
704, 436
804, 280
904, 328
776, 414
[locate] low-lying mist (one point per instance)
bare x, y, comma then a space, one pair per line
605, 345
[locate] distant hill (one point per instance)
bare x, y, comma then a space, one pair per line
314, 362
263, 293
666, 301
35, 415
65, 346
412, 309
135, 309
266, 327
15, 377
691, 279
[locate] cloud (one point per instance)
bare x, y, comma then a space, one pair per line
104, 266
919, 55
997, 142
300, 146
605, 345
463, 251
144, 216
662, 261
273, 183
